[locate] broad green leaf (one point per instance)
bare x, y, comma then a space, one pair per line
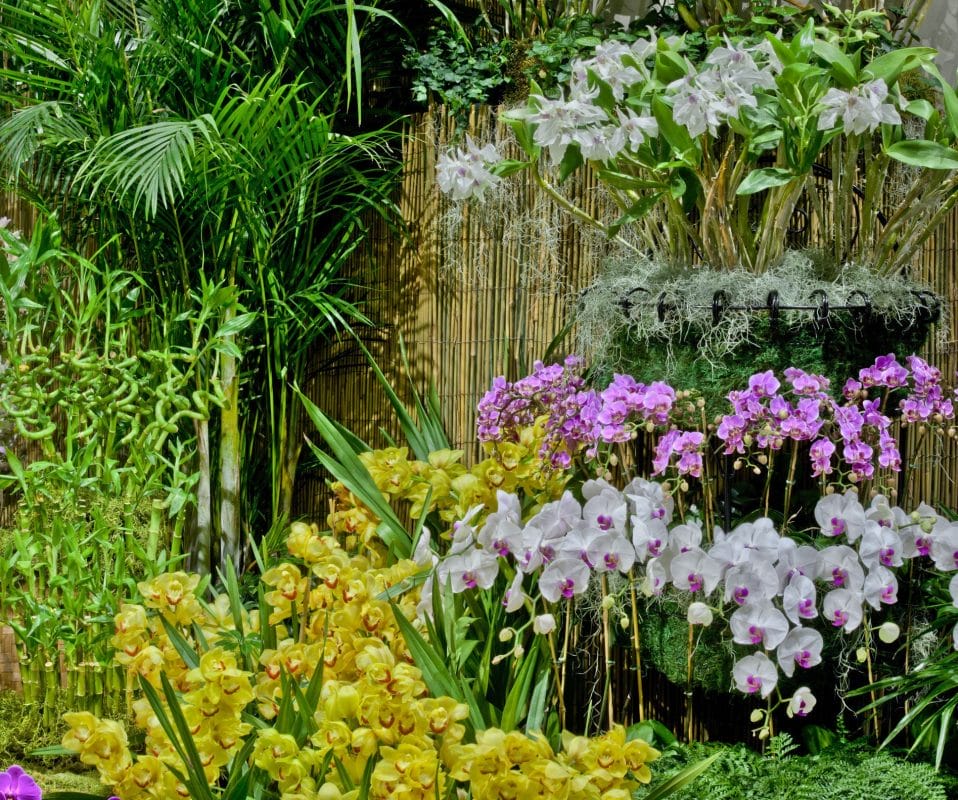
651, 731
921, 108
508, 166
676, 135
803, 43
949, 100
638, 210
842, 67
761, 179
237, 324
924, 153
782, 50
523, 130
669, 65
625, 182
889, 66
571, 161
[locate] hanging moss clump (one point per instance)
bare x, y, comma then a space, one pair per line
665, 639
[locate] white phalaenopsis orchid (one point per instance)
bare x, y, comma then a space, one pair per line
881, 588
695, 570
801, 560
841, 568
802, 703
759, 536
944, 546
514, 598
767, 581
754, 581
685, 537
798, 599
502, 536
564, 578
880, 546
649, 500
759, 623
843, 609
802, 647
650, 537
755, 674
611, 552
607, 510
471, 569
841, 515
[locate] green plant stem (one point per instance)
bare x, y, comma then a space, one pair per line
565, 640
637, 647
789, 484
768, 479
866, 626
607, 653
559, 677
689, 698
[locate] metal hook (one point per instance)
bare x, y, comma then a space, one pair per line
661, 307
719, 302
774, 303
821, 313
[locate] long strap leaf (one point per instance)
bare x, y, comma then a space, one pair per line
676, 782
435, 674
350, 471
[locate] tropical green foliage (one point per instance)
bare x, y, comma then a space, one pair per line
210, 145
843, 772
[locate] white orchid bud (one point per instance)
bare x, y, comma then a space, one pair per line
888, 632
544, 624
699, 614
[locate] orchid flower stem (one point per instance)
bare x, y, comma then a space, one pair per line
637, 647
565, 642
572, 209
769, 720
707, 486
908, 626
689, 709
871, 674
789, 483
768, 479
607, 652
559, 679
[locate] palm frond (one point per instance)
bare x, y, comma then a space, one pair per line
34, 127
147, 165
